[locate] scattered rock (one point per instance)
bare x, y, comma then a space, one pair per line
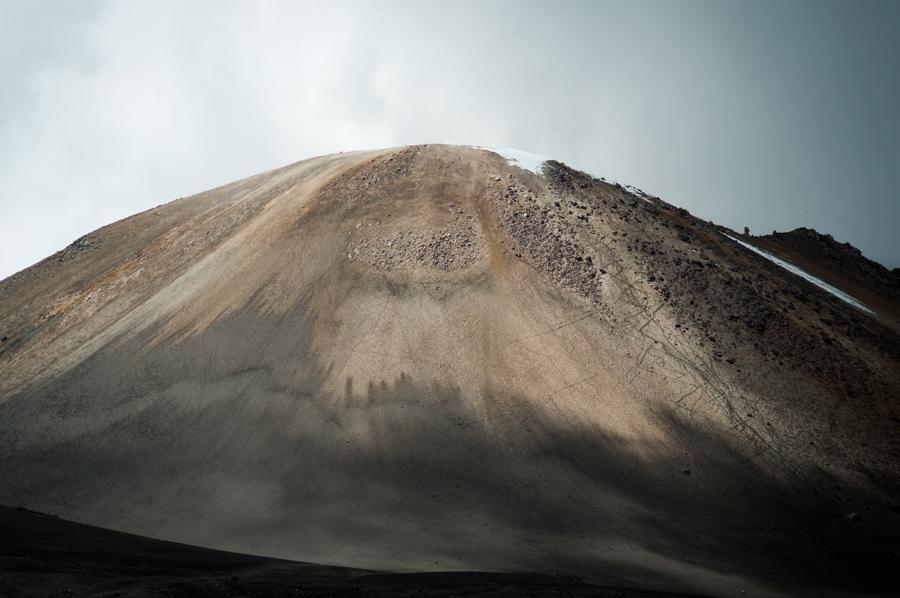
443, 249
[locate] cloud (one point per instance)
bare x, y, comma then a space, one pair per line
741, 115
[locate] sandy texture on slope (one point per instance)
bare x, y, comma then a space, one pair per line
425, 358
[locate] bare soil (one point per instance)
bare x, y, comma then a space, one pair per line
425, 359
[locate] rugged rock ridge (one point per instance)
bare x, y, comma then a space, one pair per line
838, 261
841, 256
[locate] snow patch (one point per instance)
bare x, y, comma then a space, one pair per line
524, 160
535, 163
638, 193
805, 275
629, 188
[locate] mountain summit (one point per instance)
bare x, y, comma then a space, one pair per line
452, 358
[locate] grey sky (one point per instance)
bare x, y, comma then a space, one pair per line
770, 114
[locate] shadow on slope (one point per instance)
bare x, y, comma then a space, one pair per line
43, 555
229, 439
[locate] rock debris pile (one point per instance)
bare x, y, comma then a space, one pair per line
546, 237
78, 246
447, 248
365, 185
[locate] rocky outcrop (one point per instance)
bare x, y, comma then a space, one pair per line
842, 259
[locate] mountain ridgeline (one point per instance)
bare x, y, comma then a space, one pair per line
429, 358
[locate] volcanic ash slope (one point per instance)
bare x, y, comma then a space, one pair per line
430, 358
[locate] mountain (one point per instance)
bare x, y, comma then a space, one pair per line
445, 358
840, 264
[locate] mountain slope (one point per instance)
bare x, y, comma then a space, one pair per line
427, 358
47, 556
842, 265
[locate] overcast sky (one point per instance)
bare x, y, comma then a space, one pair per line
768, 114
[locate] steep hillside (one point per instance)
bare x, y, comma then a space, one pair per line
428, 358
841, 265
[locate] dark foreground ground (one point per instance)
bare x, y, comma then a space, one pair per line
41, 555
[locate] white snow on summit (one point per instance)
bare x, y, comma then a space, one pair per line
524, 160
629, 188
535, 163
805, 275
